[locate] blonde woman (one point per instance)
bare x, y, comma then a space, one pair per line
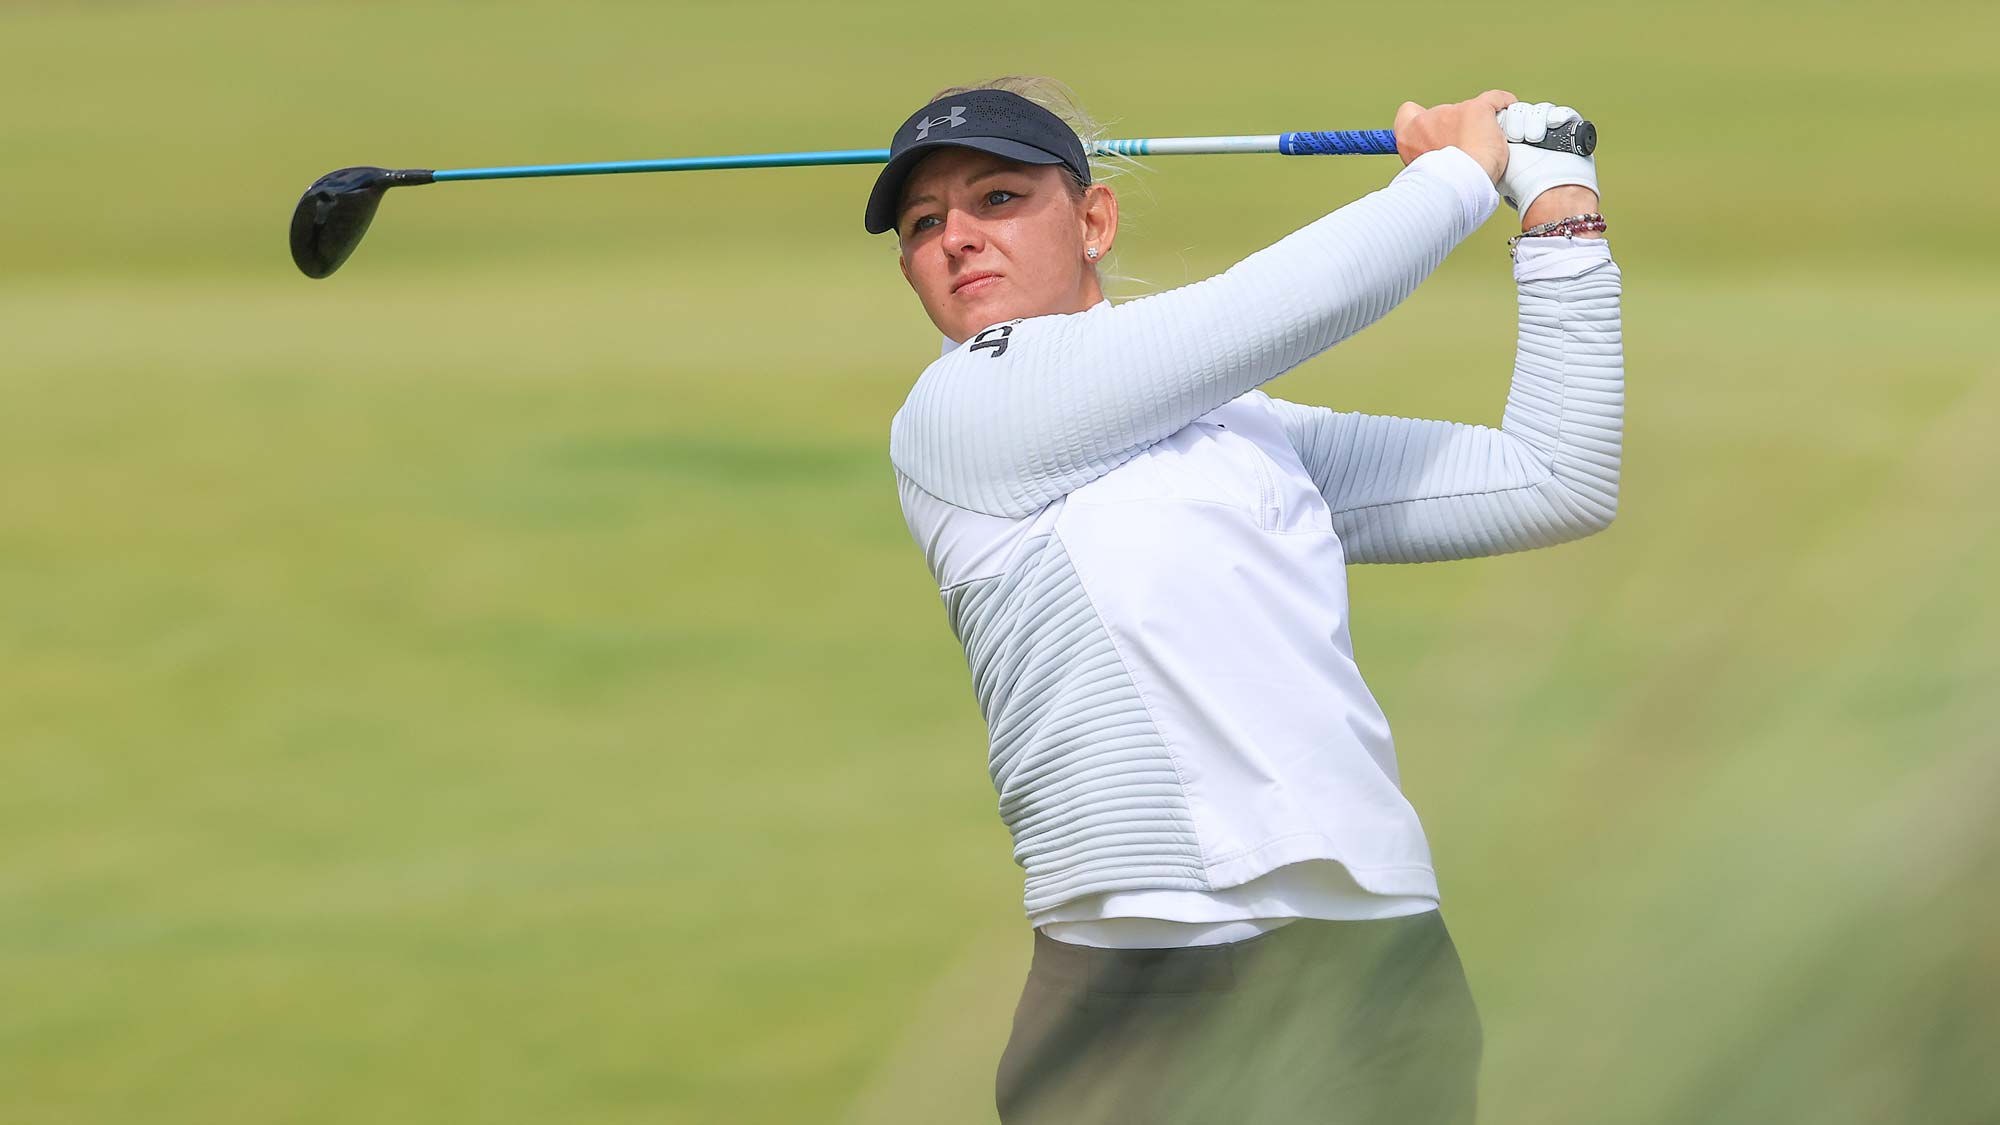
1236, 917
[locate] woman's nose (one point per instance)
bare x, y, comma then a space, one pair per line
961, 233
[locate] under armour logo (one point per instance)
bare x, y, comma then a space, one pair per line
995, 338
954, 119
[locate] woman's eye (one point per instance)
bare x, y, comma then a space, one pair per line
923, 223
997, 197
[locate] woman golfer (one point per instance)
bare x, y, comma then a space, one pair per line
1144, 556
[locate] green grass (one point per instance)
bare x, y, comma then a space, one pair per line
495, 684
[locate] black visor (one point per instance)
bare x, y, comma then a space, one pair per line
994, 121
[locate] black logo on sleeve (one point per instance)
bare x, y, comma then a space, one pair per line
995, 338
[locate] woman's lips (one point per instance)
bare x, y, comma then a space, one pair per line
976, 283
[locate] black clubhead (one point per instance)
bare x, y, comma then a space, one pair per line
335, 212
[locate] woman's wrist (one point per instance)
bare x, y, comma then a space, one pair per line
1560, 202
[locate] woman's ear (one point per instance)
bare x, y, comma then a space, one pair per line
1100, 218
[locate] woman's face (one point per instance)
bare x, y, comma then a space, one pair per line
985, 239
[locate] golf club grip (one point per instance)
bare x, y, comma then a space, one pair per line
1339, 142
1579, 137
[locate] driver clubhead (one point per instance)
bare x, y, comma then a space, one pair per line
335, 212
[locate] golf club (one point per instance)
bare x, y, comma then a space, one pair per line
335, 211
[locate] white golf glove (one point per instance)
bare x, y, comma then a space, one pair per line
1530, 170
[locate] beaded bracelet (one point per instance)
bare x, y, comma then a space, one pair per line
1589, 222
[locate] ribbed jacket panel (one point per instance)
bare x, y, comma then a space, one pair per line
1006, 430
1415, 490
1087, 785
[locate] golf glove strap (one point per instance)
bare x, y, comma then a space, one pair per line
1530, 170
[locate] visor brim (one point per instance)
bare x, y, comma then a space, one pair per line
888, 191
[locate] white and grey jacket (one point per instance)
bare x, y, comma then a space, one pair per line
1144, 556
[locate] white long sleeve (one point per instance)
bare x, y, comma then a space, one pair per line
1055, 402
1413, 490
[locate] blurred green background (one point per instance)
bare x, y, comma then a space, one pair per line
495, 684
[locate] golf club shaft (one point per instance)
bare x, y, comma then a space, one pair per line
1376, 141
1340, 142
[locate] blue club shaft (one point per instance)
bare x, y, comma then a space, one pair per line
672, 164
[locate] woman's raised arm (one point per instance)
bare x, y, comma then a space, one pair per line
1025, 412
1414, 490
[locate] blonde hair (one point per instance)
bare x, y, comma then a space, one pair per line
1055, 95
